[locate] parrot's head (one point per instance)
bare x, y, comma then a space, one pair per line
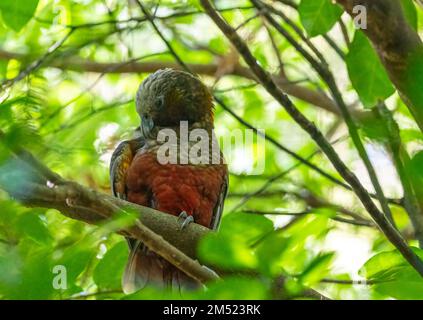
168, 96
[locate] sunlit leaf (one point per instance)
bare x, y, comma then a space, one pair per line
413, 84
411, 135
75, 107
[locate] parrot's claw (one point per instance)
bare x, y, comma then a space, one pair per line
185, 219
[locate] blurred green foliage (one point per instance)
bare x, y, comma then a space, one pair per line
72, 119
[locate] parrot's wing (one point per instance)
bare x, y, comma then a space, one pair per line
119, 164
218, 209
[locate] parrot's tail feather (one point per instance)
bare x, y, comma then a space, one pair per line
145, 267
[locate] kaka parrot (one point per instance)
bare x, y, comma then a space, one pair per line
193, 191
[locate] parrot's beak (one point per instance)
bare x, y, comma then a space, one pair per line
147, 124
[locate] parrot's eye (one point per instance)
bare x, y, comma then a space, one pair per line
160, 102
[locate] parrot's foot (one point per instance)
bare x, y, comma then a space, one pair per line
185, 219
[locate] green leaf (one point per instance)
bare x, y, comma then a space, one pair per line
416, 165
26, 272
366, 72
253, 105
108, 273
3, 69
247, 228
284, 251
218, 44
155, 293
317, 269
402, 289
195, 3
375, 129
17, 13
318, 16
226, 253
31, 225
10, 269
393, 276
408, 135
75, 259
36, 277
236, 288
